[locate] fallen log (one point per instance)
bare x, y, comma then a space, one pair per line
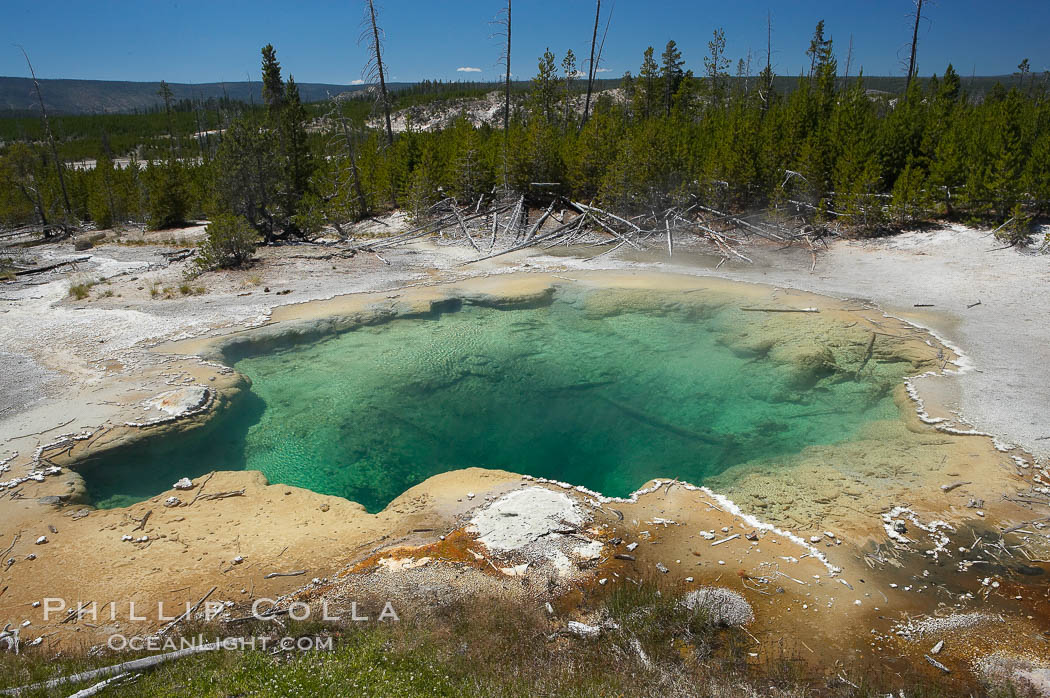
554, 233
49, 267
188, 613
711, 438
142, 521
867, 356
100, 686
223, 495
122, 668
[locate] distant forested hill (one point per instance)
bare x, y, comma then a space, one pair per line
108, 97
112, 97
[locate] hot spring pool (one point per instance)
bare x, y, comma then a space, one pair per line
601, 389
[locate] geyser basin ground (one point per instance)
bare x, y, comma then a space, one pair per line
603, 387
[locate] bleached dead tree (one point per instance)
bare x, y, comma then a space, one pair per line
50, 139
849, 59
345, 182
375, 69
914, 44
503, 19
591, 65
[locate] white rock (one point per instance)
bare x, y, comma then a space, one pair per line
584, 630
41, 540
125, 538
603, 580
470, 495
722, 606
183, 484
631, 547
238, 560
172, 502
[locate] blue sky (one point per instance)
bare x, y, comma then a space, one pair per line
197, 41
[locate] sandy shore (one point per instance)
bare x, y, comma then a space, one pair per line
817, 554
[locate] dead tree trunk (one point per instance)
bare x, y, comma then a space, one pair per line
50, 141
506, 108
591, 66
379, 67
359, 192
914, 45
849, 61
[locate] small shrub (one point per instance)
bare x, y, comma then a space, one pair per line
1018, 230
154, 289
230, 243
80, 291
255, 279
187, 290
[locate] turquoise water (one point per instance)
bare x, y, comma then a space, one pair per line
606, 399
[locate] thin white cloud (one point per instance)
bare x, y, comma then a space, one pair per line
468, 69
579, 74
357, 82
604, 70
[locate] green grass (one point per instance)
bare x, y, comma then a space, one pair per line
81, 290
485, 647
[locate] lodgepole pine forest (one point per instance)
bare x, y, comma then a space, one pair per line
679, 131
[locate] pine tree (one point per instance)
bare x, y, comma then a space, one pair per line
1037, 173
1007, 150
569, 72
272, 85
248, 174
716, 64
948, 164
647, 93
819, 49
296, 159
671, 73
23, 181
167, 198
543, 91
909, 201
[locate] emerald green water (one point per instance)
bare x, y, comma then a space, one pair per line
605, 400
